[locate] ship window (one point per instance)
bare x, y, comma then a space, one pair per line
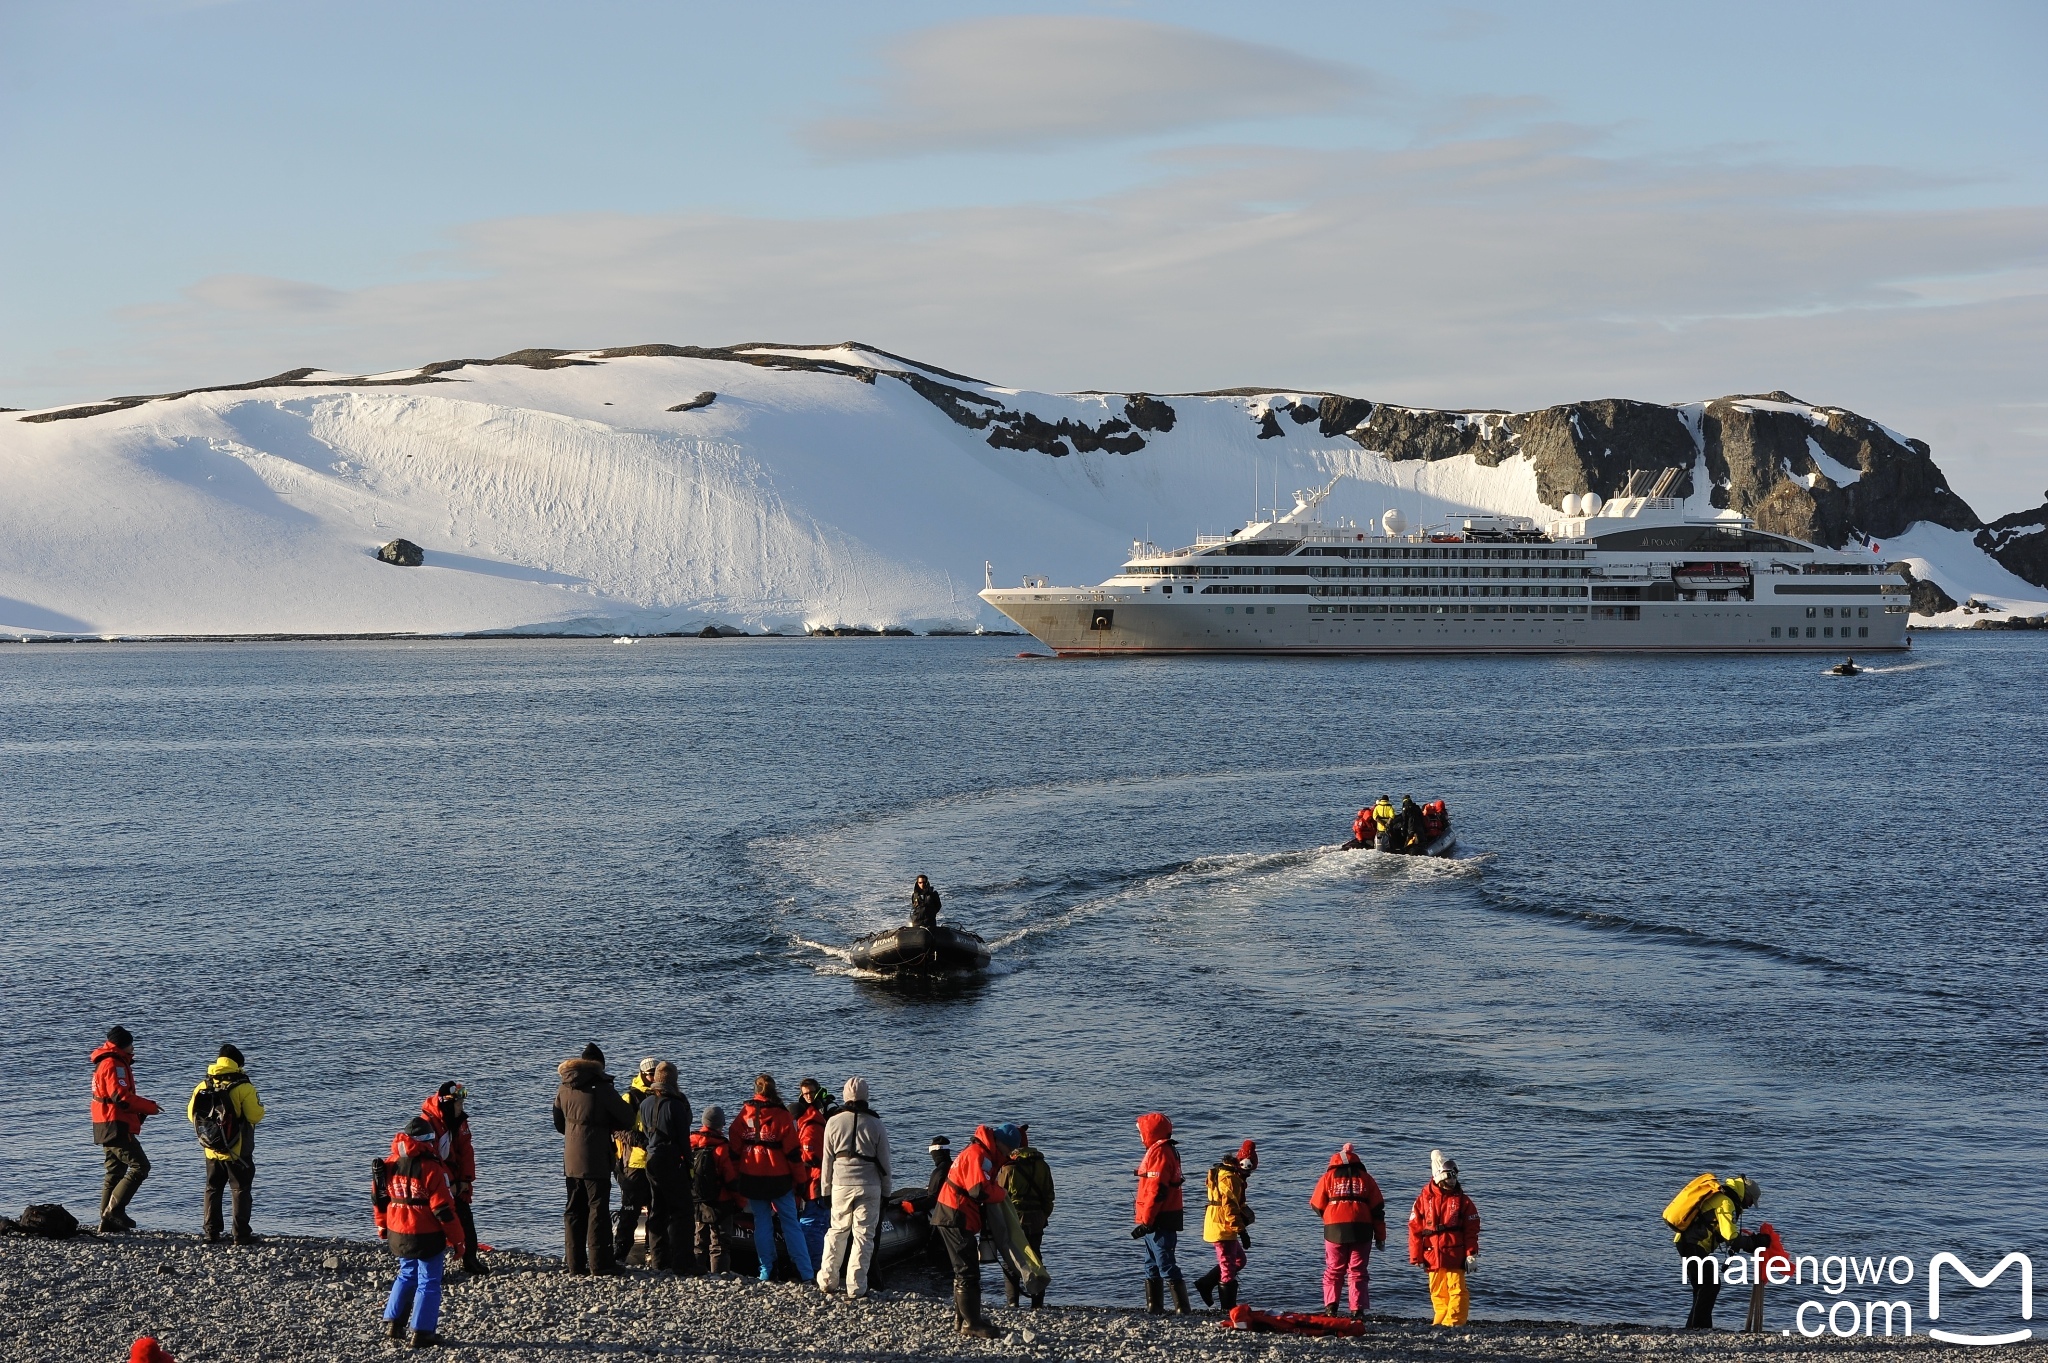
1863, 631
1863, 612
1828, 612
1775, 631
1810, 632
1811, 611
1829, 631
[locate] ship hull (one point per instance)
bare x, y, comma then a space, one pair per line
1093, 622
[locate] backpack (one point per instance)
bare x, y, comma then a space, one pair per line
49, 1221
1679, 1212
704, 1177
214, 1116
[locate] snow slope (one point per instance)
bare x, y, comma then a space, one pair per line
570, 499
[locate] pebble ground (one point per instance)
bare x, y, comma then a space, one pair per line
86, 1300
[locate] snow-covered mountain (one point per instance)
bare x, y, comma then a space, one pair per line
667, 488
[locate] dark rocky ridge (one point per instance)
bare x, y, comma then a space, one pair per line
2020, 542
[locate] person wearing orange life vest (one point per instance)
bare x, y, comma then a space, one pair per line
1436, 821
1443, 1236
811, 1110
418, 1222
1354, 1216
971, 1184
445, 1110
769, 1159
1362, 830
118, 1112
713, 1178
1159, 1213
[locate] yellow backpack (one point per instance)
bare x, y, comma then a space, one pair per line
1681, 1208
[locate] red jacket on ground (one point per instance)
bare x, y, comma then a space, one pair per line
767, 1151
117, 1110
1352, 1207
971, 1182
1159, 1195
1443, 1230
419, 1219
456, 1149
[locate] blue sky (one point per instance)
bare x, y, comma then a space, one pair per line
1447, 204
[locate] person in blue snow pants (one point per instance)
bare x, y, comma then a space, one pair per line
416, 1295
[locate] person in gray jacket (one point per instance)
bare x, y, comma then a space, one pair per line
855, 1179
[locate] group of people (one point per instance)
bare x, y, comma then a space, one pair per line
815, 1179
1411, 828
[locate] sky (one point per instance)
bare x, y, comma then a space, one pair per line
1432, 204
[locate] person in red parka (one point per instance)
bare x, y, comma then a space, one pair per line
1159, 1214
812, 1109
712, 1181
117, 1115
770, 1160
1364, 829
970, 1185
417, 1219
1443, 1236
1354, 1216
447, 1111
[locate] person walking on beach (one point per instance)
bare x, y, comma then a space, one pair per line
118, 1112
224, 1111
1158, 1214
810, 1112
447, 1111
414, 1208
1716, 1221
768, 1158
1443, 1236
1027, 1180
1354, 1216
854, 1181
924, 904
971, 1183
712, 1177
671, 1217
588, 1109
1226, 1224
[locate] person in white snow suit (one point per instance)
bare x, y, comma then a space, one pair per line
854, 1178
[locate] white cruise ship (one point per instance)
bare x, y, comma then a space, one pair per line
1637, 574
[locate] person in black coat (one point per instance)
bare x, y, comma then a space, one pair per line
924, 904
588, 1109
671, 1210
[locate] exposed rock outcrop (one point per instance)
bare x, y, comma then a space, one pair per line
704, 399
402, 554
2020, 542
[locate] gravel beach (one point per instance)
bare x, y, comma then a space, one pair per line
306, 1299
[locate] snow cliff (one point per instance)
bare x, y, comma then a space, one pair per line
667, 488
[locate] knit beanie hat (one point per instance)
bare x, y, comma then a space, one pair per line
592, 1053
1009, 1134
228, 1051
1442, 1170
1248, 1156
420, 1129
647, 1064
714, 1118
1350, 1153
120, 1035
856, 1091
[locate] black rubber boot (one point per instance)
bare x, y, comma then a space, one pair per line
395, 1329
975, 1327
1038, 1301
1180, 1296
1207, 1284
1329, 1308
425, 1339
1358, 1314
474, 1266
1155, 1297
1226, 1296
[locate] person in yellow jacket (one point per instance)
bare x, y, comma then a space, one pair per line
631, 1148
224, 1111
1716, 1221
1227, 1222
1383, 813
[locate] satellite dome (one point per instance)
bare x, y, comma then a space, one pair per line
1589, 505
1570, 504
1394, 523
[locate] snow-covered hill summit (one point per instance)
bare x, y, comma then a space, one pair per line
663, 488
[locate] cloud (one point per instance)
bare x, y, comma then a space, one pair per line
1029, 82
1508, 272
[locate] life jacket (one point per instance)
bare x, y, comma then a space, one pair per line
1363, 827
711, 1169
1435, 819
452, 1141
971, 1182
1348, 1195
765, 1145
1443, 1230
116, 1108
412, 1202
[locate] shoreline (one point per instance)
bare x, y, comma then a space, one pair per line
296, 1298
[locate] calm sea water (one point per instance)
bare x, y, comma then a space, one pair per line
1721, 912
